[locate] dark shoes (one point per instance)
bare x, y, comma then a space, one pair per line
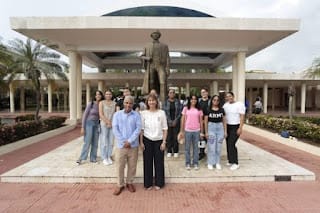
201, 156
131, 188
118, 190
79, 162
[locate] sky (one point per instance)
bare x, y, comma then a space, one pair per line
291, 55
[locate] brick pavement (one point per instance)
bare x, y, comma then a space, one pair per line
196, 197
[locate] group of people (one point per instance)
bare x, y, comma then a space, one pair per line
157, 129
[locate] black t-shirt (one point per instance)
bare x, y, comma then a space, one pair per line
204, 105
215, 116
120, 103
172, 110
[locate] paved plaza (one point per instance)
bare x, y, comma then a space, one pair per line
252, 188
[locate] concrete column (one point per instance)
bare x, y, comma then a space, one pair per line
265, 97
49, 96
272, 99
22, 99
250, 98
88, 92
100, 85
294, 102
11, 93
303, 97
79, 86
65, 100
127, 85
241, 76
235, 76
227, 87
73, 85
215, 88
187, 89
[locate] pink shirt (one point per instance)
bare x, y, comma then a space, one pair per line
192, 119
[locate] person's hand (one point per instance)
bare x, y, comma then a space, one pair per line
82, 131
163, 146
239, 131
207, 136
142, 146
127, 145
225, 134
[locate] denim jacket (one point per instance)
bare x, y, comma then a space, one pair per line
177, 115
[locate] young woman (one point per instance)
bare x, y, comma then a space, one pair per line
215, 129
153, 142
90, 126
235, 112
191, 126
107, 108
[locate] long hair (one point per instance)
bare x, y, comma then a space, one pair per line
211, 99
197, 106
152, 97
94, 99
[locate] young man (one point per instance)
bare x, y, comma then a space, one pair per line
204, 103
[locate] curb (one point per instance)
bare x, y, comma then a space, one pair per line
286, 141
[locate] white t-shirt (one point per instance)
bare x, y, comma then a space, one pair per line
153, 124
233, 112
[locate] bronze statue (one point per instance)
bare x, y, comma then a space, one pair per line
156, 61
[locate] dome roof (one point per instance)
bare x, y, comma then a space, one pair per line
164, 11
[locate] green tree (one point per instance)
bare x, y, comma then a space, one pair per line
35, 61
314, 70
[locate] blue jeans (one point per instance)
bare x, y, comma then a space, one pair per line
91, 137
106, 142
216, 136
192, 139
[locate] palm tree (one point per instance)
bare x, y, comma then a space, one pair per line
314, 70
34, 61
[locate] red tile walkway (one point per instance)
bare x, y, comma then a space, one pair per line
204, 197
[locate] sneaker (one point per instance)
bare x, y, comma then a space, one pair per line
188, 167
234, 167
79, 162
93, 161
196, 167
218, 166
110, 161
228, 164
106, 162
210, 167
169, 155
176, 155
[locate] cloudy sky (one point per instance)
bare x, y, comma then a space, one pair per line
292, 54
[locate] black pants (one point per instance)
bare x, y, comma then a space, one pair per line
232, 139
152, 155
172, 142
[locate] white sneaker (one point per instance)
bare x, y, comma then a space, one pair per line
228, 164
210, 167
234, 167
176, 155
169, 155
106, 162
110, 161
196, 167
188, 167
218, 166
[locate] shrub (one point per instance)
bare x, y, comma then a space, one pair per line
298, 127
25, 129
27, 117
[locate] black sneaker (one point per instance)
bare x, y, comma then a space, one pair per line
201, 156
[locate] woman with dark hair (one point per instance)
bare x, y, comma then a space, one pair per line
215, 129
153, 142
191, 126
107, 108
235, 112
90, 127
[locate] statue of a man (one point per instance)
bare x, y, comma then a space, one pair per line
156, 61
